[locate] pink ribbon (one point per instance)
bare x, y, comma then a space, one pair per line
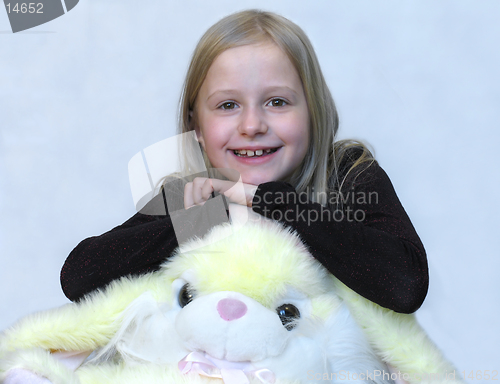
230, 372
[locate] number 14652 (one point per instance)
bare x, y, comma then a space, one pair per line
25, 8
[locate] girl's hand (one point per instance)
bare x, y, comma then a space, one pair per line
200, 189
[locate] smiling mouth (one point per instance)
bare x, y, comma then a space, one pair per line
256, 153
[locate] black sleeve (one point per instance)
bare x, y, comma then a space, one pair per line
367, 242
138, 246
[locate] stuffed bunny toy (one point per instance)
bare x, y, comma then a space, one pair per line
247, 305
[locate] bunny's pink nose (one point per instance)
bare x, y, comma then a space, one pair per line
231, 309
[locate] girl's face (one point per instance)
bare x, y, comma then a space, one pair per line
251, 114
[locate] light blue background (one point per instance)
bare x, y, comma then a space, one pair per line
419, 80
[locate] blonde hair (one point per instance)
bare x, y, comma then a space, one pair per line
318, 172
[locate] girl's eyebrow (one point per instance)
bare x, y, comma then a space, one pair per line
271, 89
228, 92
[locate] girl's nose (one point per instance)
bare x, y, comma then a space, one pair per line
252, 122
231, 309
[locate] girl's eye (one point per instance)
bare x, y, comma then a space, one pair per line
288, 314
185, 296
277, 103
228, 105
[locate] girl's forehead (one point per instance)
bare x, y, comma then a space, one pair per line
264, 52
252, 65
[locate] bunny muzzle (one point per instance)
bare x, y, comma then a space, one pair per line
231, 326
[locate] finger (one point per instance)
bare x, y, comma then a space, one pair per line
232, 190
202, 190
188, 196
207, 189
239, 193
196, 191
198, 183
221, 186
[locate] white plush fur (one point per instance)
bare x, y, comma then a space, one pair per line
140, 332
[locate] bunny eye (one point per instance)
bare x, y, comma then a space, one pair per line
185, 296
288, 313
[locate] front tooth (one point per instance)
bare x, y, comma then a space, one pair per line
259, 152
250, 153
243, 152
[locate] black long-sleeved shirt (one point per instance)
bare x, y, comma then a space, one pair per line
367, 241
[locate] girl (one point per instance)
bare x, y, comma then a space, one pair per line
257, 100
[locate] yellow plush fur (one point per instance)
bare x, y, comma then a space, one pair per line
259, 276
86, 326
91, 324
